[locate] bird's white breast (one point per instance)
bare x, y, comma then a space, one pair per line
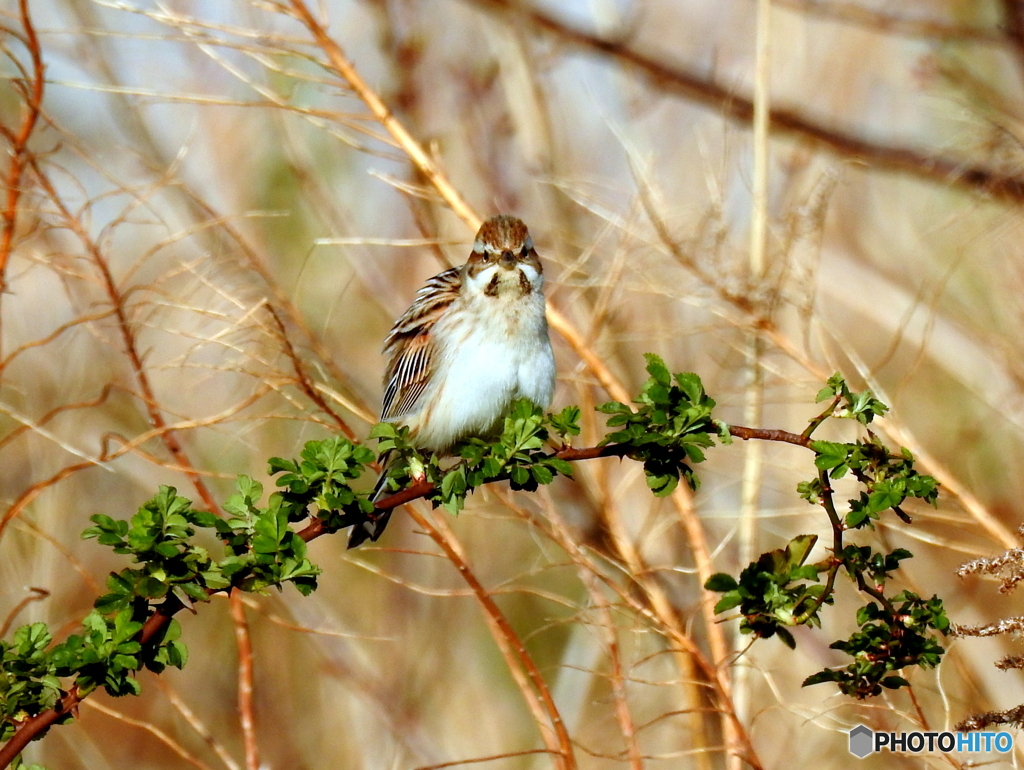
496, 350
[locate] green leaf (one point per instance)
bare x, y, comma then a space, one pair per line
662, 485
542, 475
566, 422
657, 369
799, 548
561, 466
151, 588
204, 519
691, 385
806, 572
177, 654
31, 639
820, 678
786, 637
124, 627
727, 602
721, 582
126, 661
829, 454
278, 465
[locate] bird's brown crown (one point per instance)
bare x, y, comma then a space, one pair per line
502, 233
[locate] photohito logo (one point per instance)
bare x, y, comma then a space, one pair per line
864, 741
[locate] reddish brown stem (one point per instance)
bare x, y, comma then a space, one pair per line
19, 141
570, 454
68, 704
769, 434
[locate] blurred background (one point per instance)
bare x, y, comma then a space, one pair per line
216, 225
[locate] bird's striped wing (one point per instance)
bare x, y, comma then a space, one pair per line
410, 346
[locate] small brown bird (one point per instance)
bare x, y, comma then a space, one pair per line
474, 341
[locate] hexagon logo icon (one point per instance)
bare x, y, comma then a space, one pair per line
862, 741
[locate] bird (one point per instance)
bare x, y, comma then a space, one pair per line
474, 341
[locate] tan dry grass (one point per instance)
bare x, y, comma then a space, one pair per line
211, 220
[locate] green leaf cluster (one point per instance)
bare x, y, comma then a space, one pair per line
887, 479
874, 566
29, 682
322, 478
517, 454
860, 406
159, 537
670, 428
106, 654
265, 551
400, 459
773, 592
260, 550
890, 638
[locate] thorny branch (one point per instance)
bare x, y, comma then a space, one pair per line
828, 504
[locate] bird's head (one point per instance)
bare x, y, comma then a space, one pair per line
503, 258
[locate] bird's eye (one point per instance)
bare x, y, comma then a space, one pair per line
485, 257
525, 252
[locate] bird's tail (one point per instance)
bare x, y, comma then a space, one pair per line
380, 490
373, 526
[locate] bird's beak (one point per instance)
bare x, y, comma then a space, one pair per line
508, 260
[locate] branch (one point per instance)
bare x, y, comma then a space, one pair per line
859, 14
116, 298
302, 379
245, 677
700, 88
343, 67
19, 141
836, 522
541, 702
1013, 22
770, 434
421, 489
35, 726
